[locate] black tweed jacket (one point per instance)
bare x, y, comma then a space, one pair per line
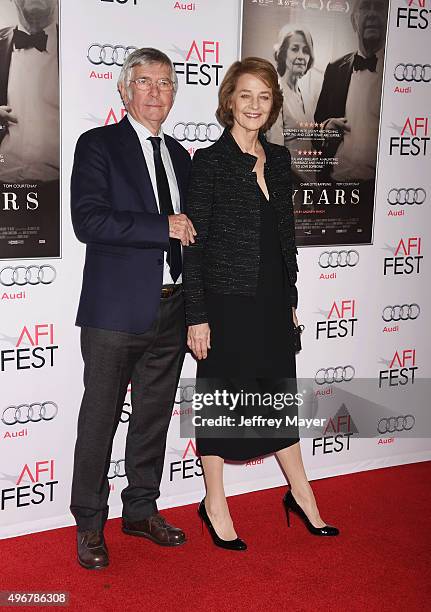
224, 206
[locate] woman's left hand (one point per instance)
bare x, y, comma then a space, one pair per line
295, 318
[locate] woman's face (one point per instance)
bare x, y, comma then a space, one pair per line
251, 102
297, 56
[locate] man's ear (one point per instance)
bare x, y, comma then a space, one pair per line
123, 93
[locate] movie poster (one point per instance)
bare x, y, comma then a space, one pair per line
329, 56
29, 129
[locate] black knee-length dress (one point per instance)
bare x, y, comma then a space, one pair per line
252, 347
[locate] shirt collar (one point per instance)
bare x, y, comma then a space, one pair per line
142, 131
244, 159
378, 54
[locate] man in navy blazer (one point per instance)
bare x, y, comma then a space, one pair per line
128, 190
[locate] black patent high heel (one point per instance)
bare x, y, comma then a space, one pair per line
290, 503
236, 544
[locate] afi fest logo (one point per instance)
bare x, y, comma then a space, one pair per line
400, 369
34, 347
414, 138
406, 257
111, 116
339, 322
415, 16
336, 434
188, 465
201, 65
40, 477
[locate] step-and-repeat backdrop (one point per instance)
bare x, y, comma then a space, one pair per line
362, 202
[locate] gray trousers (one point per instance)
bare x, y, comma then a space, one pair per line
152, 362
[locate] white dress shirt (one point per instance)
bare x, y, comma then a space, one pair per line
147, 149
357, 152
31, 148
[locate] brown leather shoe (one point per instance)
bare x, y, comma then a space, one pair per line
92, 549
155, 528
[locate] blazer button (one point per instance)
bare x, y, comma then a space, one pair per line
160, 262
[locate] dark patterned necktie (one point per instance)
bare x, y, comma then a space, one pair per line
22, 40
166, 208
364, 63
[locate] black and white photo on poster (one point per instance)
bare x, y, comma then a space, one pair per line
29, 129
330, 58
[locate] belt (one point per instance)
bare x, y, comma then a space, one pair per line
169, 290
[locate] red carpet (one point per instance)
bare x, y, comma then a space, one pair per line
380, 562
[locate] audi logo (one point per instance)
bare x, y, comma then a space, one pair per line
108, 55
393, 424
117, 469
328, 376
29, 413
196, 132
27, 275
409, 195
413, 72
401, 313
184, 394
338, 259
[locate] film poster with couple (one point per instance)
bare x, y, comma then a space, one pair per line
329, 56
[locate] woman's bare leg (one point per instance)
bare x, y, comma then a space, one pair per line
215, 500
290, 459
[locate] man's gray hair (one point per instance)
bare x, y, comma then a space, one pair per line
146, 55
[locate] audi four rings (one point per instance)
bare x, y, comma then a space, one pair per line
342, 259
186, 394
409, 195
327, 376
413, 73
117, 468
393, 424
108, 55
196, 132
29, 413
27, 275
401, 313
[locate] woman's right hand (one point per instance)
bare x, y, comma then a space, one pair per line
198, 340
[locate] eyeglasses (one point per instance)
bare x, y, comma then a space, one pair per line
145, 84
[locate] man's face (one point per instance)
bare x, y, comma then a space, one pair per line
36, 12
369, 21
149, 107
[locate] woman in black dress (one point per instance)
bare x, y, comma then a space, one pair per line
239, 281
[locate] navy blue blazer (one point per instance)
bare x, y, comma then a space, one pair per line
114, 212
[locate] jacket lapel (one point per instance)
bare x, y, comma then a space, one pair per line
343, 78
135, 164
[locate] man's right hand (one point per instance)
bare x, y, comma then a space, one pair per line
6, 115
337, 123
182, 228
